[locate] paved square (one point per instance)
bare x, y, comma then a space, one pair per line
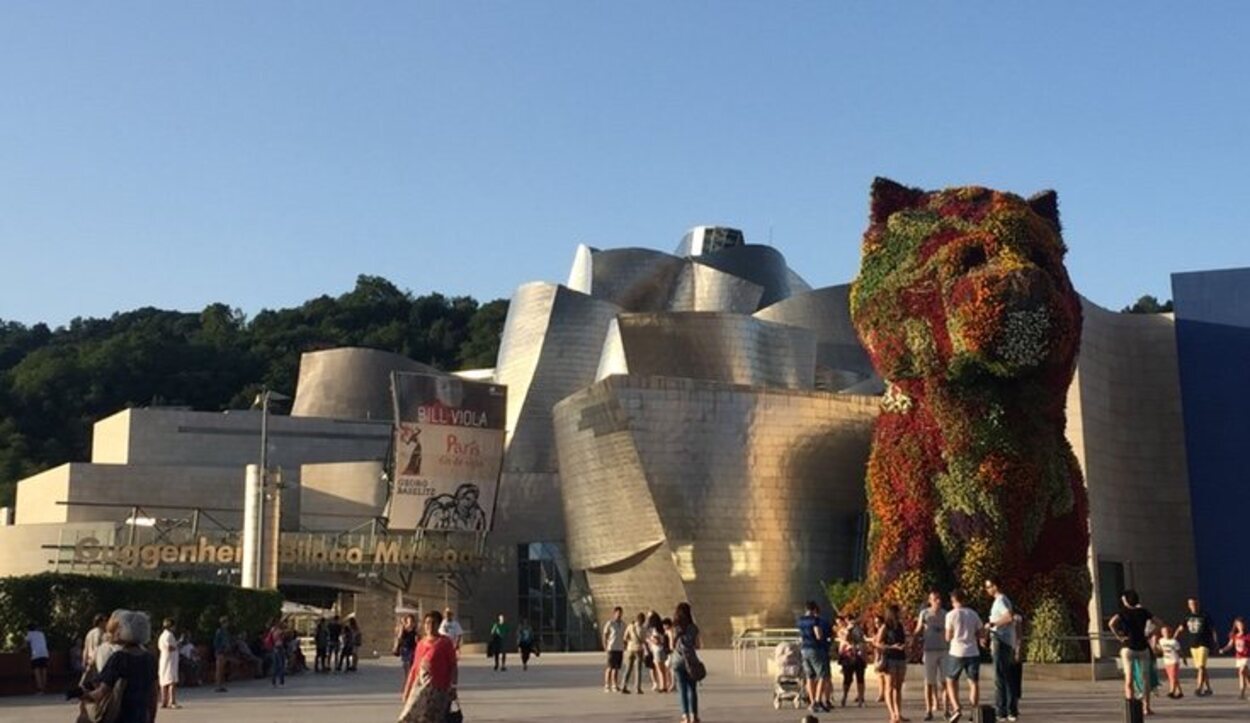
567, 687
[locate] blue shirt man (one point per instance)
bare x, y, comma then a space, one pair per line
814, 637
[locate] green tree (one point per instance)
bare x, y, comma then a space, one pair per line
54, 384
1147, 305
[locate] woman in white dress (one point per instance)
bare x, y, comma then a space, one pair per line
168, 668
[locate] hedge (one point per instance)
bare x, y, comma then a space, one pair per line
62, 605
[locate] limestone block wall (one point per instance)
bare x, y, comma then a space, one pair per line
1125, 425
340, 495
171, 491
179, 437
26, 549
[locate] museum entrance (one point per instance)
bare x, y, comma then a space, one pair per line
554, 599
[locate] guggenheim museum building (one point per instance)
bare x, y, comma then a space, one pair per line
691, 425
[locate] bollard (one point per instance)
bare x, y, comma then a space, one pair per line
984, 714
1133, 710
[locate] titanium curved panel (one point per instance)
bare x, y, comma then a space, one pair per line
798, 285
550, 347
722, 347
349, 383
827, 312
761, 265
703, 288
634, 279
581, 276
1126, 427
612, 358
758, 492
521, 342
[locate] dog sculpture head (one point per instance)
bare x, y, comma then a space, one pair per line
962, 283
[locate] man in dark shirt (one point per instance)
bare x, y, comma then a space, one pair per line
1129, 625
222, 643
335, 630
1202, 642
814, 646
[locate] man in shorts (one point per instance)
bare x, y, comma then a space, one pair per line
1202, 642
931, 623
614, 643
1129, 626
814, 637
964, 654
37, 643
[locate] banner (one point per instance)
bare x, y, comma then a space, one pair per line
449, 436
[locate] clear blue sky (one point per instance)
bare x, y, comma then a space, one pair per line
261, 153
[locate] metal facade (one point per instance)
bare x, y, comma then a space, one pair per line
349, 383
739, 499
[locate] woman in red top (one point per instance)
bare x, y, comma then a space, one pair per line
430, 687
1239, 643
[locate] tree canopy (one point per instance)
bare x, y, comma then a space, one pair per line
1148, 305
55, 383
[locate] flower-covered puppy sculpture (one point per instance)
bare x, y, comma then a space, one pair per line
968, 314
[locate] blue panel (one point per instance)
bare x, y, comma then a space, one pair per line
1213, 350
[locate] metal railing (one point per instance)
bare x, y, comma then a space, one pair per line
753, 647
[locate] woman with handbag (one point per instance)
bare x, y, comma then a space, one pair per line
429, 694
688, 669
126, 691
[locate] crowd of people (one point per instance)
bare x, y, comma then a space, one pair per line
665, 649
1146, 640
950, 642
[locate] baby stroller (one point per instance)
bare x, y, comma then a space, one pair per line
788, 685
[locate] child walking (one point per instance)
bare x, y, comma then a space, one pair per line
1170, 651
1239, 643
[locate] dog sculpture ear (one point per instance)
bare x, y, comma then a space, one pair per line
889, 197
1046, 204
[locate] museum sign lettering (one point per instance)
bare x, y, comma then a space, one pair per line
301, 551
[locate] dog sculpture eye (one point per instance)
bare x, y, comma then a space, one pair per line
973, 258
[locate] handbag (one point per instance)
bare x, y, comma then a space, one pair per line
108, 708
454, 714
694, 666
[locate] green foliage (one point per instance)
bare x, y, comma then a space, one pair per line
1148, 305
62, 605
841, 592
1048, 628
54, 384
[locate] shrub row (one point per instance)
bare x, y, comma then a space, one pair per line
62, 605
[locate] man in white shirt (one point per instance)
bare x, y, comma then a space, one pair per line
614, 643
38, 645
964, 655
450, 628
1002, 625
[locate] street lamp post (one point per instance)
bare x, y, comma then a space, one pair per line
262, 400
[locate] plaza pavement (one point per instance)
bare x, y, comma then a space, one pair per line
568, 687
